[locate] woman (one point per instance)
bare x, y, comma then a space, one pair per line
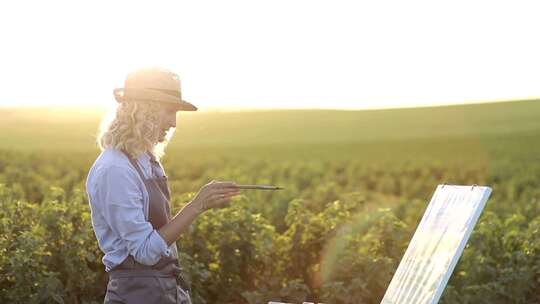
130, 197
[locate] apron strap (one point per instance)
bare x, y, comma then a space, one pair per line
125, 273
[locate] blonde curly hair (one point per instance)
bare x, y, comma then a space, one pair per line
134, 127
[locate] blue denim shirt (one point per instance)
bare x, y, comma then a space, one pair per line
119, 208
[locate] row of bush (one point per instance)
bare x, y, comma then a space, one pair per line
336, 235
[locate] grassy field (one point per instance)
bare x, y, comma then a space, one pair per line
376, 168
61, 129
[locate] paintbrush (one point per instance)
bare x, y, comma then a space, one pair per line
259, 187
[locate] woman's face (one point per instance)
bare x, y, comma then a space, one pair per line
167, 121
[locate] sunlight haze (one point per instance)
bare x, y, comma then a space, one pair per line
273, 54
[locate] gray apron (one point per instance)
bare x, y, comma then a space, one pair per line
132, 282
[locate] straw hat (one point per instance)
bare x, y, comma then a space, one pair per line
153, 84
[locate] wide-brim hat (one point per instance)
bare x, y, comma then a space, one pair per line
153, 84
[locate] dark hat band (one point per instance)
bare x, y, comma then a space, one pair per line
174, 93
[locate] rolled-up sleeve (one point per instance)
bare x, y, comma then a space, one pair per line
119, 191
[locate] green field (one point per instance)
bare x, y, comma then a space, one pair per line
357, 183
51, 129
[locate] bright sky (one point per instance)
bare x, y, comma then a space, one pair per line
273, 54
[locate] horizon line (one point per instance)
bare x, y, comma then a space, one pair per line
262, 109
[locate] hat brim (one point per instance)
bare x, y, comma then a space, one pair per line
154, 95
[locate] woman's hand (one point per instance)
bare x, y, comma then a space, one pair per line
212, 195
215, 195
